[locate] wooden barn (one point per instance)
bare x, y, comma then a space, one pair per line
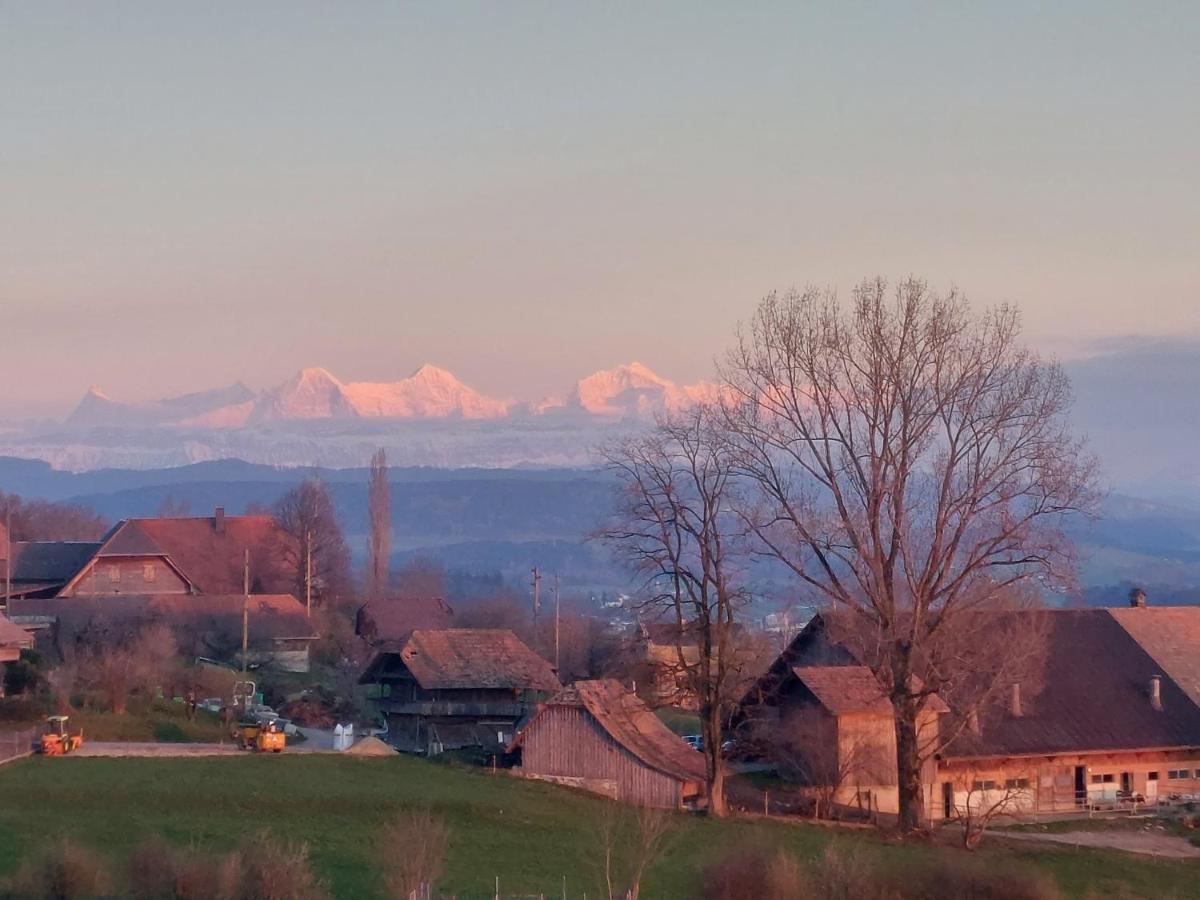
457, 688
598, 736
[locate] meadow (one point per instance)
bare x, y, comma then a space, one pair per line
528, 835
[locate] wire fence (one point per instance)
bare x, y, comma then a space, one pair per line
15, 744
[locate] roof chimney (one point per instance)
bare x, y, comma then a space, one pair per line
219, 520
1137, 598
1156, 692
1015, 702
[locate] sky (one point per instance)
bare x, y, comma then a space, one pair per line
193, 194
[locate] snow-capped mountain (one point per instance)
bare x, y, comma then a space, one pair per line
629, 391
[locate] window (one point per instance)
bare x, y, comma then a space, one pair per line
984, 785
1152, 776
1016, 784
149, 572
1179, 774
114, 574
1108, 778
1198, 773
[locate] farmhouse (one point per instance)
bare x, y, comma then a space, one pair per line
187, 555
1113, 717
598, 736
188, 573
456, 688
13, 639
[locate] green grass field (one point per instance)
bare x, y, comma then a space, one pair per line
528, 834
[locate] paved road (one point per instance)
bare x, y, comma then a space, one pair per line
1147, 843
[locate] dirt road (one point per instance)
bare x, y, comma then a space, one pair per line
1146, 843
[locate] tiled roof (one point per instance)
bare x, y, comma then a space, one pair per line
463, 658
1092, 695
49, 562
13, 635
629, 722
210, 557
391, 620
271, 616
844, 689
1171, 635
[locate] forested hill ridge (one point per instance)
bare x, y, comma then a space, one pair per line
488, 521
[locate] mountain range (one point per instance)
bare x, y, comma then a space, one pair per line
629, 391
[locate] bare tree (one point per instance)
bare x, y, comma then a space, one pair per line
911, 462
630, 842
983, 800
120, 666
814, 752
317, 551
379, 503
675, 524
44, 520
413, 850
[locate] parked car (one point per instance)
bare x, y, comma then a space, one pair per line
211, 704
695, 741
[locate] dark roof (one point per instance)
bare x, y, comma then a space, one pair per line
391, 620
460, 658
629, 722
209, 556
49, 562
271, 616
1093, 695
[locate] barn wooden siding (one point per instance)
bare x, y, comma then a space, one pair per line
128, 575
565, 741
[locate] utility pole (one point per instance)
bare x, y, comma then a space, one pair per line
557, 599
308, 573
537, 596
245, 609
7, 553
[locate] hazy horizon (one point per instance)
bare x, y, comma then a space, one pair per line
523, 194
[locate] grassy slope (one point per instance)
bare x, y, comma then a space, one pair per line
528, 834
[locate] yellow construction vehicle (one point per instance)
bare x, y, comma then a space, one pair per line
57, 738
251, 734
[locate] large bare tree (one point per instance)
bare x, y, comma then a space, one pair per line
379, 504
912, 464
316, 552
675, 522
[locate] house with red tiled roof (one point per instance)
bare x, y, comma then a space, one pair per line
1111, 717
185, 571
599, 736
457, 688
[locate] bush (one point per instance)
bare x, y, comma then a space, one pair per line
751, 874
169, 732
412, 849
261, 869
65, 872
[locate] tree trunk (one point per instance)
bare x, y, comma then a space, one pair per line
714, 765
908, 765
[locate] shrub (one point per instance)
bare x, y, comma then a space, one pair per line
411, 850
752, 874
66, 871
272, 870
262, 869
169, 732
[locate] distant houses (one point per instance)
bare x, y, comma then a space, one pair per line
598, 736
187, 572
457, 688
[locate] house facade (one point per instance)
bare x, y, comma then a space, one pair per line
1111, 718
457, 688
598, 736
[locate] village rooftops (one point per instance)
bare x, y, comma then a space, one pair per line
629, 722
462, 659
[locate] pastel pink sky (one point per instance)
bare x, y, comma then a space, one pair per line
520, 193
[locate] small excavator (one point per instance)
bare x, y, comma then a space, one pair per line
57, 738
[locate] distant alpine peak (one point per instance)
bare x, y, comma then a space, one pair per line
628, 390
